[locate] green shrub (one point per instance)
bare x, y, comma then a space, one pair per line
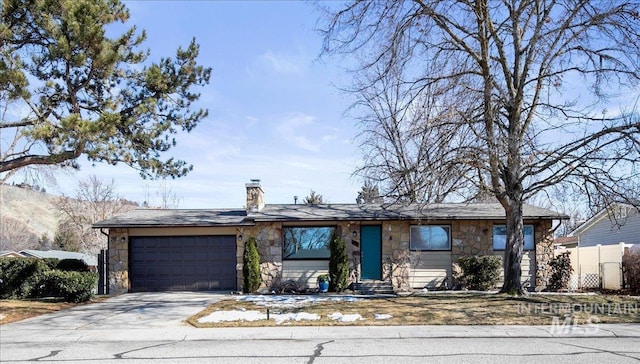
21, 277
560, 272
52, 263
72, 265
251, 266
338, 264
71, 286
480, 273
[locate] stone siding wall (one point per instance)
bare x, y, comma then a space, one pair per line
544, 254
118, 265
269, 238
270, 244
399, 264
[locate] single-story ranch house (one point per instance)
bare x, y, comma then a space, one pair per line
411, 247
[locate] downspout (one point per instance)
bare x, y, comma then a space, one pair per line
105, 266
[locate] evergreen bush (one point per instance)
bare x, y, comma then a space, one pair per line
251, 266
21, 277
560, 272
72, 265
338, 264
70, 285
479, 272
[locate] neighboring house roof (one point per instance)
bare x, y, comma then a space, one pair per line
602, 214
90, 260
566, 240
327, 212
10, 254
618, 223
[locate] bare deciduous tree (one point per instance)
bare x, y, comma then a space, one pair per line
94, 201
405, 132
16, 235
533, 75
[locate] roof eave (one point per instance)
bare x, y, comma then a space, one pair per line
157, 225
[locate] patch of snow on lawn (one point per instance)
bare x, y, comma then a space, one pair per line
293, 301
300, 316
381, 316
236, 315
239, 315
337, 316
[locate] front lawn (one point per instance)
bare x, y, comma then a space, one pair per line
16, 310
429, 309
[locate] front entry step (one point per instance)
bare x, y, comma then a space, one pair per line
373, 287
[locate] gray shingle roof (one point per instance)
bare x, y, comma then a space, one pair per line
329, 212
157, 217
449, 211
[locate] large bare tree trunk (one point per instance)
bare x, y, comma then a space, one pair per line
513, 249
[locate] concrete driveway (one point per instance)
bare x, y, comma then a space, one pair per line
145, 311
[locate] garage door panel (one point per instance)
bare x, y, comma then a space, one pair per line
182, 263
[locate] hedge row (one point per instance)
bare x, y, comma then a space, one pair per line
22, 278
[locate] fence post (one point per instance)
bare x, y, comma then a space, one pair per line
601, 285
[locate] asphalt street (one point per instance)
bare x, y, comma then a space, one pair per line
141, 328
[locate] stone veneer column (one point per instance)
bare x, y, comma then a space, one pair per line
269, 238
396, 257
353, 245
118, 261
544, 253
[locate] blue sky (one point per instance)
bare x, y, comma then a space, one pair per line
275, 110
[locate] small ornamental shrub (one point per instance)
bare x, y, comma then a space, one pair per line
560, 272
251, 266
338, 264
73, 265
479, 273
631, 268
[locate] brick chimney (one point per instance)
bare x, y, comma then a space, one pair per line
255, 196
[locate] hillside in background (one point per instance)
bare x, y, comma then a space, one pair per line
25, 215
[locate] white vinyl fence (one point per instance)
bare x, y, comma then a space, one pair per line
597, 266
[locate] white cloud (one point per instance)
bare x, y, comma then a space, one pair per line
280, 63
294, 128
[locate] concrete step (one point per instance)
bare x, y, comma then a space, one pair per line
373, 287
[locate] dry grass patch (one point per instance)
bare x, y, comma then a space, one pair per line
17, 310
444, 309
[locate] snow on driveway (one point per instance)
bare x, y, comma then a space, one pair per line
285, 302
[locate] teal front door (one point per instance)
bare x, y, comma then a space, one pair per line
371, 252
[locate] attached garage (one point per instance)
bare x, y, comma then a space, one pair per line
182, 263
